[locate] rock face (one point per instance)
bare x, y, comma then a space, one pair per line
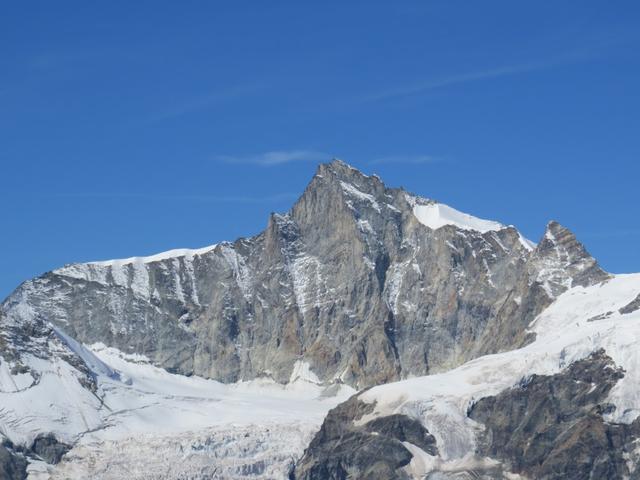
349, 280
551, 427
561, 262
548, 427
13, 465
348, 447
49, 448
13, 460
631, 306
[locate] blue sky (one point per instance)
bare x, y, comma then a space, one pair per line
128, 128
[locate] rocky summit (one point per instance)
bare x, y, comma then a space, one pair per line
476, 352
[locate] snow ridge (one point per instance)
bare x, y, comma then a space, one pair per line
437, 215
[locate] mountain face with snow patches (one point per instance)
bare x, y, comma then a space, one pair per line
366, 283
226, 359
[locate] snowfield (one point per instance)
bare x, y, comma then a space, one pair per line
144, 422
259, 451
437, 215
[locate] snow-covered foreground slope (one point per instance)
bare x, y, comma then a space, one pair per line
143, 422
579, 322
258, 451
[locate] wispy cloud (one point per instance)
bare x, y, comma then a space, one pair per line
207, 100
62, 58
278, 197
407, 159
277, 157
456, 79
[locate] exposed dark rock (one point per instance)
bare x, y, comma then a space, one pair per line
13, 464
344, 449
404, 429
602, 316
49, 448
631, 306
551, 427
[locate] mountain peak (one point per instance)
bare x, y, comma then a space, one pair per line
338, 163
564, 262
340, 170
337, 183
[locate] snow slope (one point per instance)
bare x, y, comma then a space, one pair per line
175, 253
265, 450
579, 322
437, 215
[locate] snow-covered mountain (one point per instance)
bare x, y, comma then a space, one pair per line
505, 356
367, 283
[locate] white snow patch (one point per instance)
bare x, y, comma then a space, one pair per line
365, 227
10, 382
309, 285
302, 372
360, 195
391, 207
175, 253
240, 271
437, 215
92, 361
393, 286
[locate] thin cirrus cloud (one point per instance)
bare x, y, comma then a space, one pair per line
276, 157
406, 159
452, 80
612, 233
207, 101
277, 197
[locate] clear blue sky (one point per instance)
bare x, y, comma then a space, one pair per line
128, 128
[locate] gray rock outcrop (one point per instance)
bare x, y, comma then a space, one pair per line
548, 427
632, 306
49, 448
552, 427
344, 449
13, 465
